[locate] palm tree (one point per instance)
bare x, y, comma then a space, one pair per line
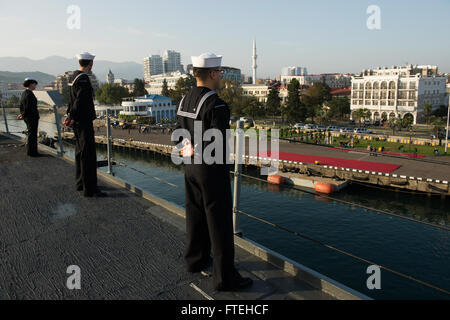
427, 109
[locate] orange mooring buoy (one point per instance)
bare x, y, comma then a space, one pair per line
276, 179
324, 187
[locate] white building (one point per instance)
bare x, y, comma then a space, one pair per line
155, 83
151, 105
260, 91
294, 71
398, 92
172, 61
334, 80
153, 65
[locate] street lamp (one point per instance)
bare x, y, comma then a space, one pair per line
446, 131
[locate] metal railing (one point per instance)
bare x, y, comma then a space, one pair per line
57, 122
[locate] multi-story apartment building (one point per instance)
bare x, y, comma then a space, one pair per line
398, 92
153, 65
334, 80
172, 61
294, 71
232, 74
155, 83
62, 81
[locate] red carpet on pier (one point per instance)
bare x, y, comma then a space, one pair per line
335, 162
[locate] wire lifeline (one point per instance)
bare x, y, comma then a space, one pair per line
146, 174
346, 253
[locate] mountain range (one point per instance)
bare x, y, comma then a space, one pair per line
56, 65
18, 77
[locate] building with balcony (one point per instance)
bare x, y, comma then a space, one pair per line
333, 80
154, 84
151, 105
172, 61
259, 91
398, 92
153, 65
232, 74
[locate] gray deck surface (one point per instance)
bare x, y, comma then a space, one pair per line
127, 247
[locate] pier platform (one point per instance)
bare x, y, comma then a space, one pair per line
127, 246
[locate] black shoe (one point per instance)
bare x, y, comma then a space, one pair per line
35, 155
97, 194
238, 284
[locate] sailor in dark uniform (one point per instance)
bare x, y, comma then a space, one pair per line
30, 114
81, 114
209, 220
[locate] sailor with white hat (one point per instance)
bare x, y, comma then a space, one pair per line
81, 113
209, 221
85, 56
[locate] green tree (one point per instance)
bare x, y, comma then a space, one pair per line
111, 94
339, 107
139, 88
439, 126
65, 95
363, 114
314, 98
295, 110
13, 102
182, 87
165, 89
427, 110
395, 124
273, 103
252, 107
232, 94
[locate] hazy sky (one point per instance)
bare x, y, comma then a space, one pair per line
322, 35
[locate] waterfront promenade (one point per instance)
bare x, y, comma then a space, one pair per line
126, 246
407, 167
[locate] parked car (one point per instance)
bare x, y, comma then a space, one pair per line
299, 126
246, 120
321, 127
352, 122
333, 128
440, 136
363, 130
346, 130
310, 126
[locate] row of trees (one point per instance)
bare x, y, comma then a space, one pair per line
316, 104
112, 94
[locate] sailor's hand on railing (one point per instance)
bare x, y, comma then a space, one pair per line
187, 150
68, 122
19, 117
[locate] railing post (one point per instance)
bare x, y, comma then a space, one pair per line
4, 115
58, 129
448, 119
109, 144
237, 175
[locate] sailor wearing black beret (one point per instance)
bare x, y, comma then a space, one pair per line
30, 114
